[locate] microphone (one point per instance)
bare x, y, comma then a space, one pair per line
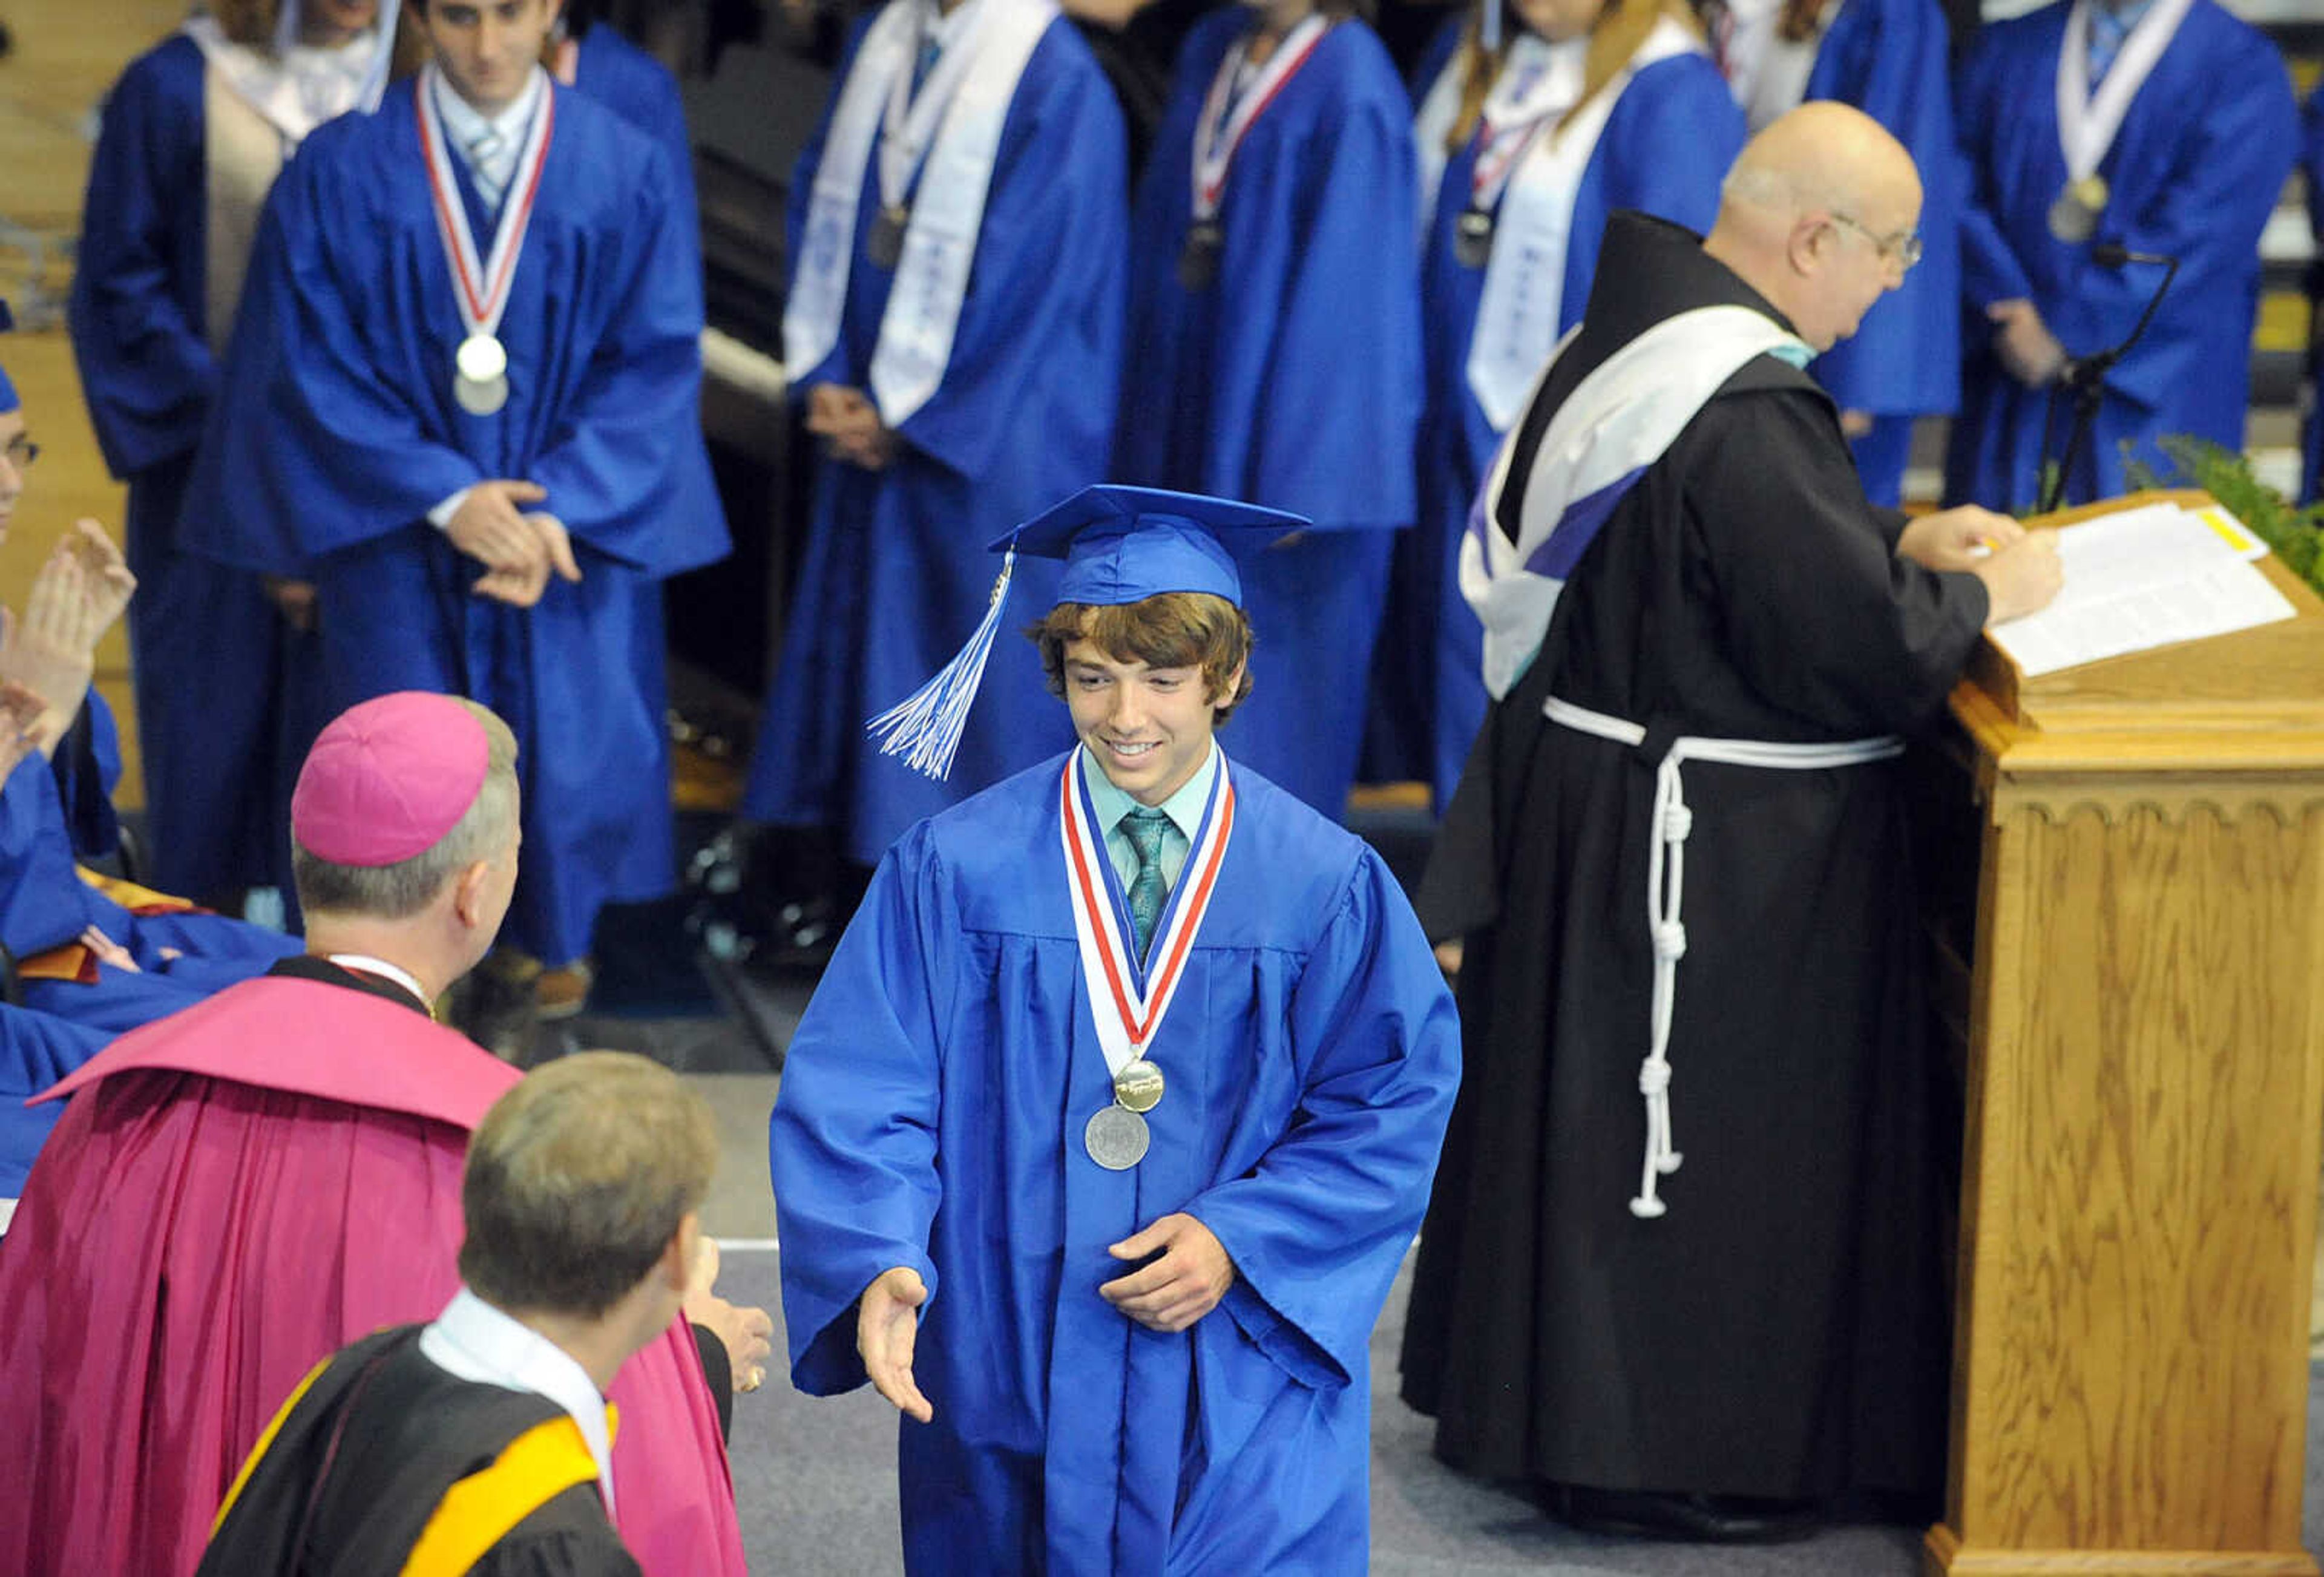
2115, 255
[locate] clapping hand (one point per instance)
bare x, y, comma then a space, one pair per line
52, 649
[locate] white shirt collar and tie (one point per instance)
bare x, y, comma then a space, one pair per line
474, 1341
489, 146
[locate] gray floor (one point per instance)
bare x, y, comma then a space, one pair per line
816, 1484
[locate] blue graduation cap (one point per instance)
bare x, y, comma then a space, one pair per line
1120, 545
8, 401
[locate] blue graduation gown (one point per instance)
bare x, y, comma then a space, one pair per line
895, 573
44, 904
2312, 159
36, 1050
2197, 166
639, 88
1294, 380
337, 432
931, 1115
225, 700
1889, 59
1664, 150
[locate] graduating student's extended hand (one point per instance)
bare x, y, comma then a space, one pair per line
2024, 343
1957, 539
887, 1324
747, 1333
1186, 1283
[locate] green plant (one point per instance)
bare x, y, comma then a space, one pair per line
2292, 534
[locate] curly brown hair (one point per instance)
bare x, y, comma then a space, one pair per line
1167, 629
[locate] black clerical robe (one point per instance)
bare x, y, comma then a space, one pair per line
1781, 1331
353, 1474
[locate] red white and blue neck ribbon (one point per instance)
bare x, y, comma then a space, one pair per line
1215, 144
481, 284
1128, 997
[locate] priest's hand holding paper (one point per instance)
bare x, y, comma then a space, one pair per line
887, 1324
1957, 539
1185, 1279
2021, 578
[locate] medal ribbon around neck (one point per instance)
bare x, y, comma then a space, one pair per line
482, 288
1514, 115
1127, 1000
908, 123
2085, 125
1214, 146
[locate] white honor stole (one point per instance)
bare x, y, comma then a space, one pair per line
923, 313
1129, 997
1618, 420
292, 100
1767, 72
1524, 280
2087, 125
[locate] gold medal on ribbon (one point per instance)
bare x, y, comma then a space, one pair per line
1138, 1086
2074, 216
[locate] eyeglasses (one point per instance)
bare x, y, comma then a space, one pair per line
21, 451
1905, 248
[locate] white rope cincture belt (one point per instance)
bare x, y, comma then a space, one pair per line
1666, 886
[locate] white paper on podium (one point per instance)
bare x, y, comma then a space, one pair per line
2141, 578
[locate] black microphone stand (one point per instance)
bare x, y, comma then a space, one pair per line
2086, 376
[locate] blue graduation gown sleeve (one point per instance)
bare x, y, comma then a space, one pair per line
328, 402
1318, 1228
607, 464
1889, 58
852, 1141
87, 766
2193, 172
1341, 444
138, 302
1032, 297
312, 409
1294, 380
36, 1050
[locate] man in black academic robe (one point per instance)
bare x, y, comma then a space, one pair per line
483, 1443
1767, 1322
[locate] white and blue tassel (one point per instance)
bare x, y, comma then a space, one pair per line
925, 729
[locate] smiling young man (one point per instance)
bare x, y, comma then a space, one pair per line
1111, 1121
461, 399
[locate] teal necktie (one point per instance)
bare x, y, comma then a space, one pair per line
1144, 827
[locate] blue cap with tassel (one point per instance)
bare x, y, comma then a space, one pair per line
1120, 545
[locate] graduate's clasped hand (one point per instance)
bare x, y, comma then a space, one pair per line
850, 426
1188, 1273
519, 550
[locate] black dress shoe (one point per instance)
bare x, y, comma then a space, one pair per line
1682, 1518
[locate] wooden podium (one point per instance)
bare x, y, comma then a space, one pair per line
2137, 974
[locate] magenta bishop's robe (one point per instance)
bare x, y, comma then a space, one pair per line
235, 1193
